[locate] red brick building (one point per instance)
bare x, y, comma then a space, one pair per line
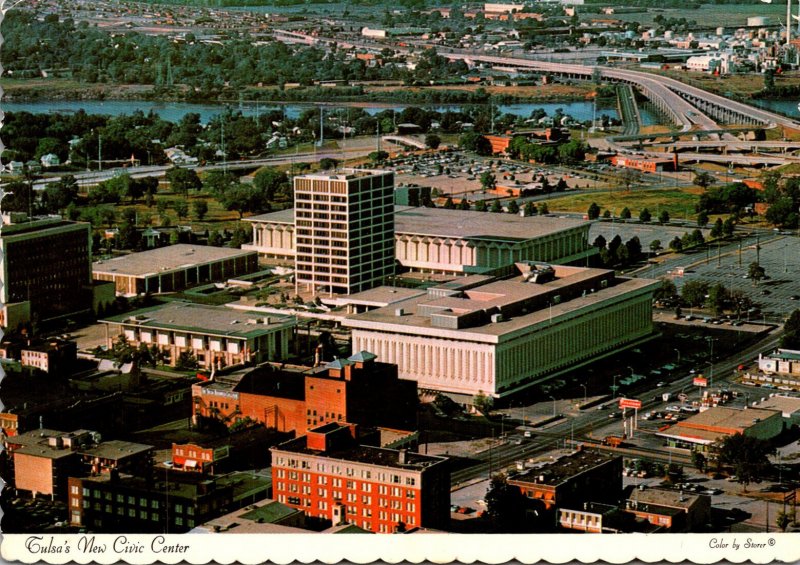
328, 475
359, 389
573, 479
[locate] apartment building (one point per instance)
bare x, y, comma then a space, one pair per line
329, 476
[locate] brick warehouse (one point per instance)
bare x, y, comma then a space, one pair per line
358, 389
329, 476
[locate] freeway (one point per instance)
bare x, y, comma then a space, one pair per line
95, 177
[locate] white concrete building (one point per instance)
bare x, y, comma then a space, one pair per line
461, 242
482, 335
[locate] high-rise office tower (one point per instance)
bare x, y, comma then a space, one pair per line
344, 226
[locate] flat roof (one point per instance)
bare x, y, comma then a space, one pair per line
665, 497
438, 222
365, 454
724, 417
787, 405
202, 319
163, 259
116, 449
462, 224
382, 296
563, 469
492, 295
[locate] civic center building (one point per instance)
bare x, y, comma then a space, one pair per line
480, 334
432, 240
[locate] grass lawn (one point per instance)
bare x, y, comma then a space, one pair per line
679, 203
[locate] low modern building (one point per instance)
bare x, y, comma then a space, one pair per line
670, 510
436, 240
781, 368
484, 335
329, 476
594, 518
788, 406
215, 335
573, 479
45, 268
358, 390
701, 430
173, 268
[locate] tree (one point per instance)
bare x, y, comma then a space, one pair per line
694, 293
200, 208
241, 199
645, 215
704, 180
782, 520
463, 204
186, 361
791, 332
483, 403
625, 214
496, 207
663, 217
529, 209
716, 230
215, 239
702, 219
506, 505
594, 211
433, 141
513, 207
326, 163
748, 456
634, 248
655, 246
544, 209
181, 209
756, 272
448, 204
472, 141
488, 181
728, 226
699, 461
480, 206
718, 298
674, 473
378, 156
183, 180
269, 181
676, 244
666, 290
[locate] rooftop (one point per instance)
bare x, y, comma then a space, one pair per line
666, 498
562, 470
730, 418
478, 225
255, 518
162, 259
366, 454
346, 174
16, 224
521, 304
189, 317
788, 405
381, 296
439, 222
116, 449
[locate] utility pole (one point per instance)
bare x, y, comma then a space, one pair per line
99, 152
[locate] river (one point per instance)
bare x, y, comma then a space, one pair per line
174, 111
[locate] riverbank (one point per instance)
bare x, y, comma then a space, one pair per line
30, 90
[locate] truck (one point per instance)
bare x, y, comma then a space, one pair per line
614, 441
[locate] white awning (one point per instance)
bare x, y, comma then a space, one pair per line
190, 463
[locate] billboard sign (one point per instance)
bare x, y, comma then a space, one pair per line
630, 403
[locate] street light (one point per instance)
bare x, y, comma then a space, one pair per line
614, 386
554, 405
584, 393
679, 355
